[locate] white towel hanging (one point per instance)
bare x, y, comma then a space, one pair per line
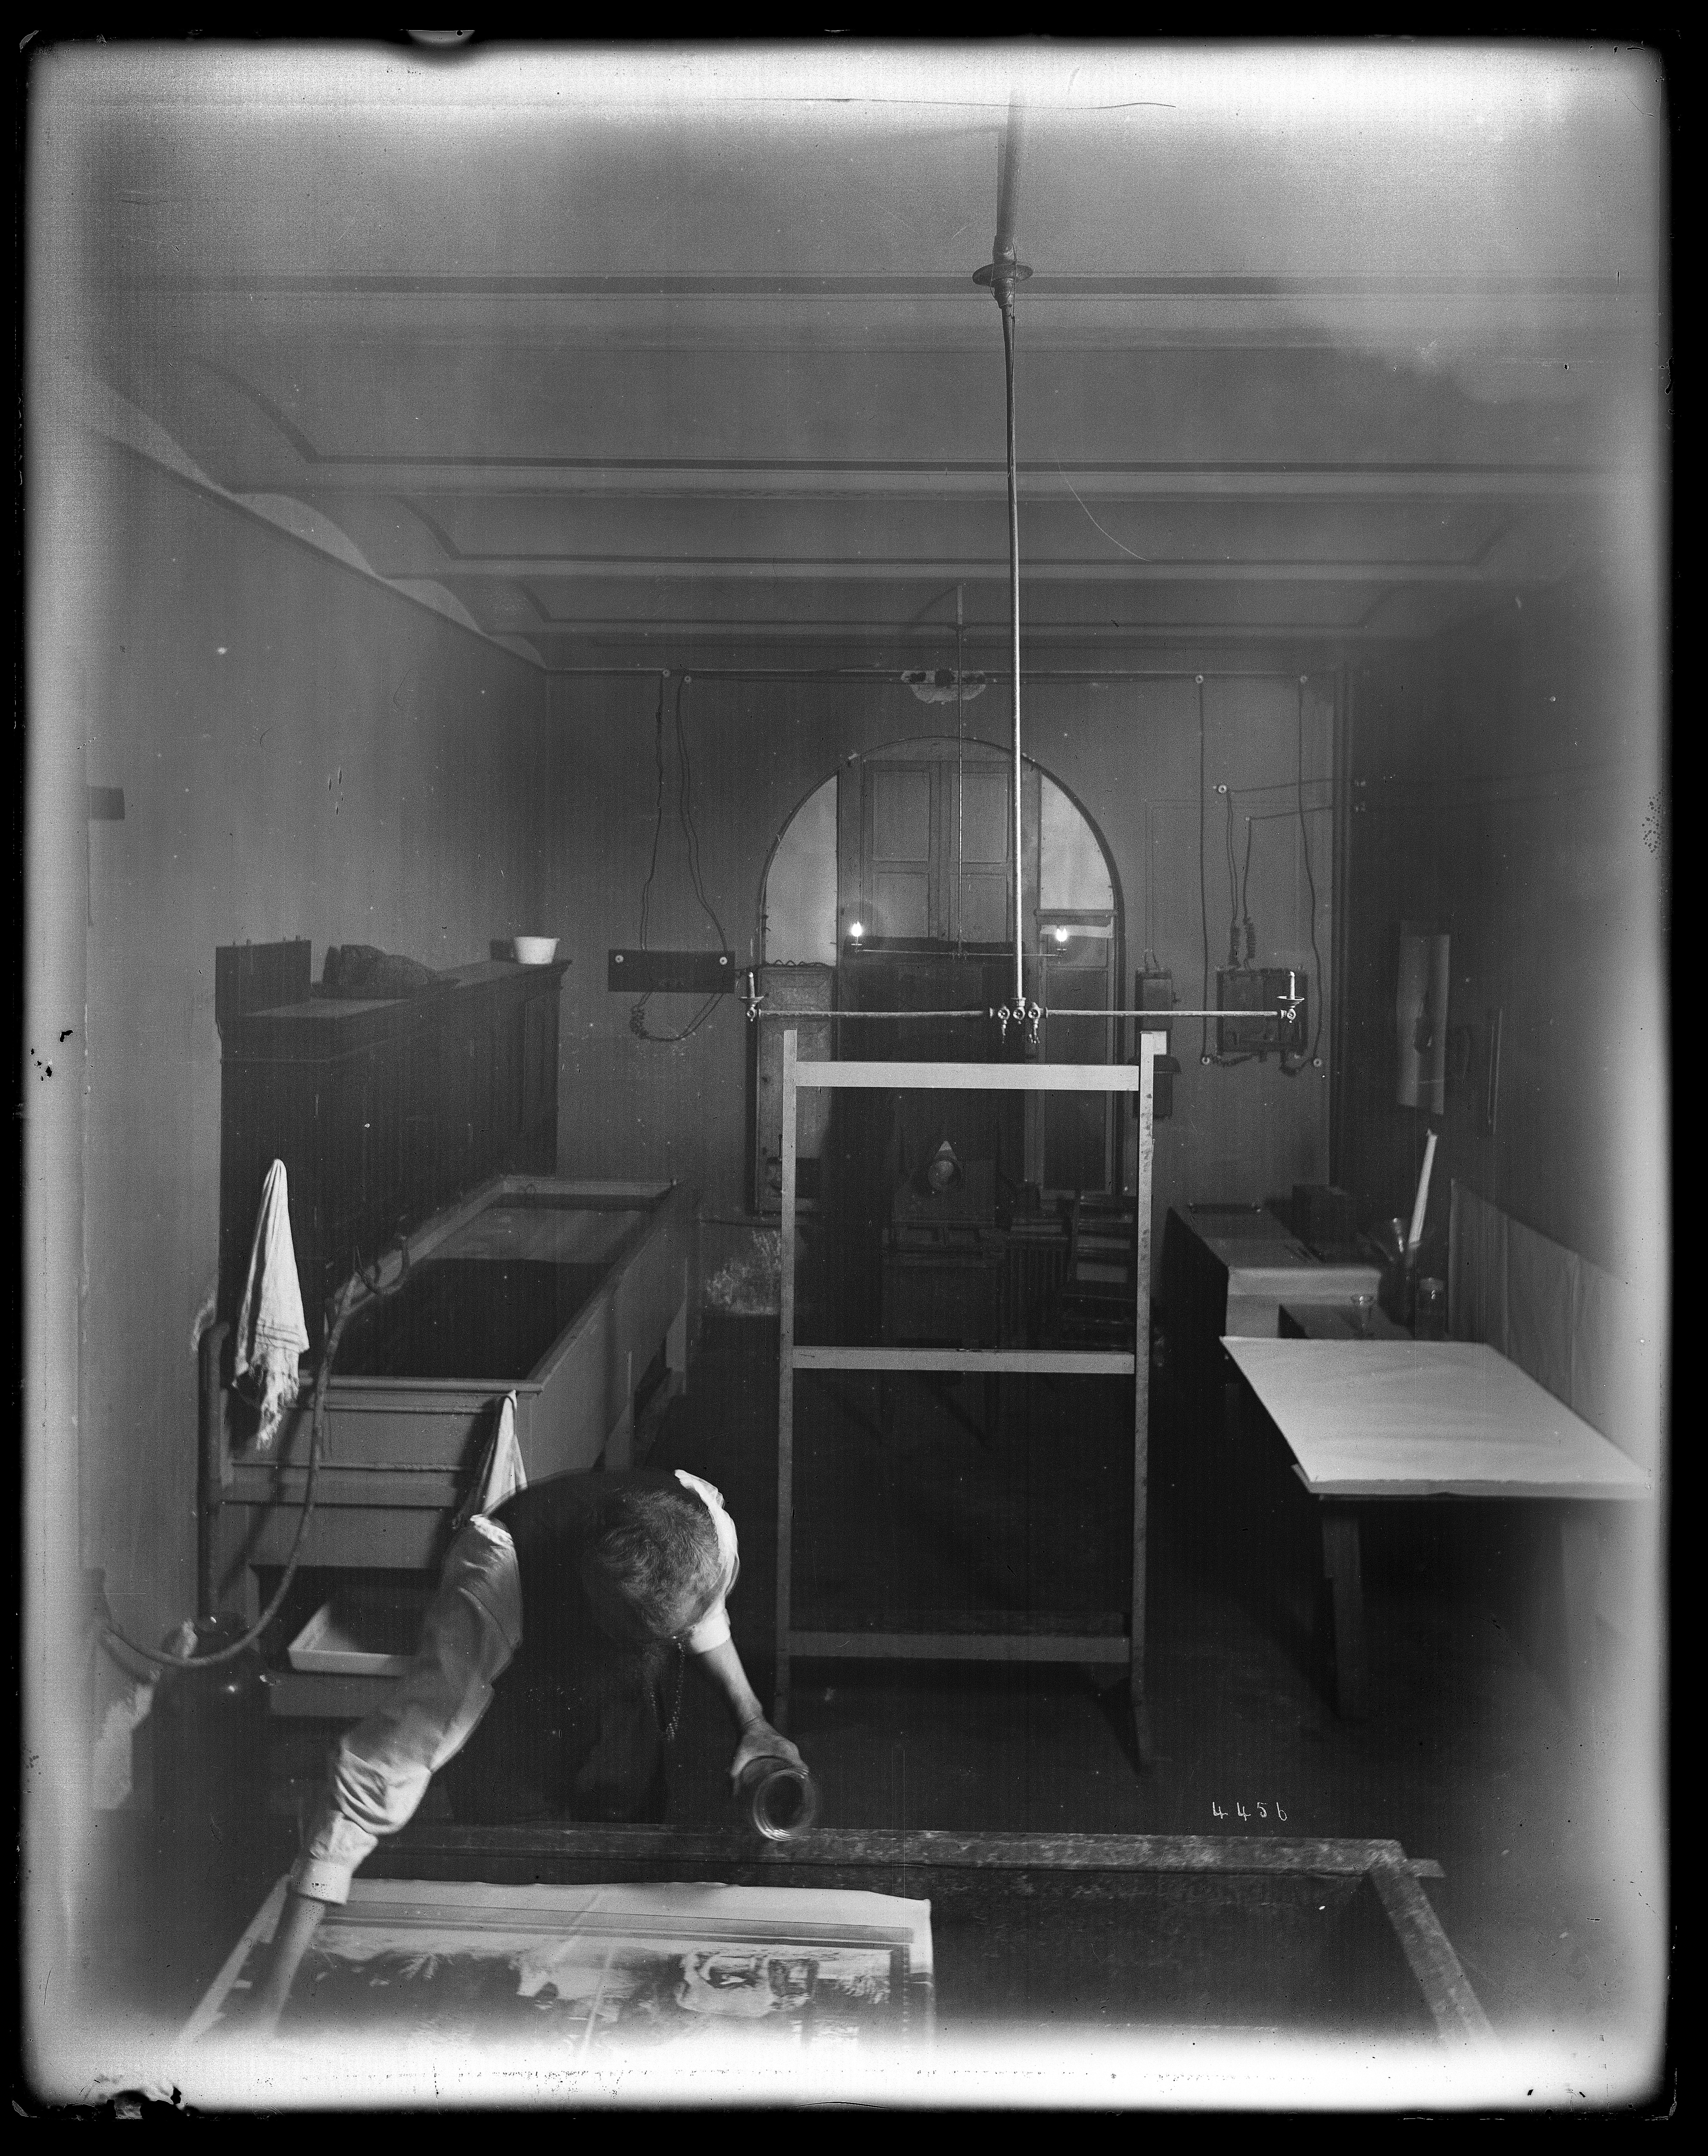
501, 1472
271, 1336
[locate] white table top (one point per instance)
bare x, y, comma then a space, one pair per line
1427, 1418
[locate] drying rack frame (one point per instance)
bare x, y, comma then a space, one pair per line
997, 1637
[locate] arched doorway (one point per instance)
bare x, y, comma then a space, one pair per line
876, 848
890, 887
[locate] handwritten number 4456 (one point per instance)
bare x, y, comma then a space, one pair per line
1263, 1811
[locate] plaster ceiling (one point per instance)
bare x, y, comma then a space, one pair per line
614, 346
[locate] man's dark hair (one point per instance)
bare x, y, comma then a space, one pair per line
656, 1553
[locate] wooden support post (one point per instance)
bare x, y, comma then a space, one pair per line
1148, 1045
1342, 1568
1454, 2006
786, 1389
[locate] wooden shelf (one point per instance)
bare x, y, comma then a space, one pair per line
314, 1695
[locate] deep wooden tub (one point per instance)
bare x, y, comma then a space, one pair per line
1073, 1934
574, 1297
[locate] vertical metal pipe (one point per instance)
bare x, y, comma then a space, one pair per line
1005, 293
958, 894
786, 1388
1002, 274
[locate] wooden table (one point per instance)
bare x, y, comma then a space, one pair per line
1233, 1268
1385, 1420
1230, 1270
1337, 1320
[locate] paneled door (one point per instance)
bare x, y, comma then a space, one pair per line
929, 846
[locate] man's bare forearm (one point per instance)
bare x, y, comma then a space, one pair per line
723, 1665
297, 1921
758, 1740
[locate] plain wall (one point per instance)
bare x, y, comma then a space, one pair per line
1505, 787
302, 753
1127, 750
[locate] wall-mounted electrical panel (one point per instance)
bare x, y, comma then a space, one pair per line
1266, 1008
670, 972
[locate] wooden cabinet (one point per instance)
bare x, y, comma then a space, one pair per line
382, 1112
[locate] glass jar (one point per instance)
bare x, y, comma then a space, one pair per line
775, 1799
1429, 1321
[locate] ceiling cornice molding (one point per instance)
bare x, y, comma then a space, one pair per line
184, 474
956, 287
937, 569
931, 642
762, 478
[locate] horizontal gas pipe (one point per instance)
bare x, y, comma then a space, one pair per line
887, 677
1160, 1020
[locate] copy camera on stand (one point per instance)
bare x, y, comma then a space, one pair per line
946, 1189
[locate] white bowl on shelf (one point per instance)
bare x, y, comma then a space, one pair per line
535, 950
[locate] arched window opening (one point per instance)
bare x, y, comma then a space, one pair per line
891, 886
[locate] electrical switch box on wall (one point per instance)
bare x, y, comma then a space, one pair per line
1267, 1008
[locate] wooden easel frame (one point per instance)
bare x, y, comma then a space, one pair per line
1002, 1638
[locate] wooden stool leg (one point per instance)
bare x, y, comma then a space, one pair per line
619, 1440
676, 1346
1343, 1570
1143, 1741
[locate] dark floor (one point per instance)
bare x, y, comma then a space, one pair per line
933, 1497
1468, 1755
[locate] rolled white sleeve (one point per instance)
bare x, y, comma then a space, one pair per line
380, 1771
714, 1627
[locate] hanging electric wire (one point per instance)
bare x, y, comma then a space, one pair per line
684, 816
646, 888
1310, 880
1203, 894
1206, 1054
691, 842
1232, 878
358, 1291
